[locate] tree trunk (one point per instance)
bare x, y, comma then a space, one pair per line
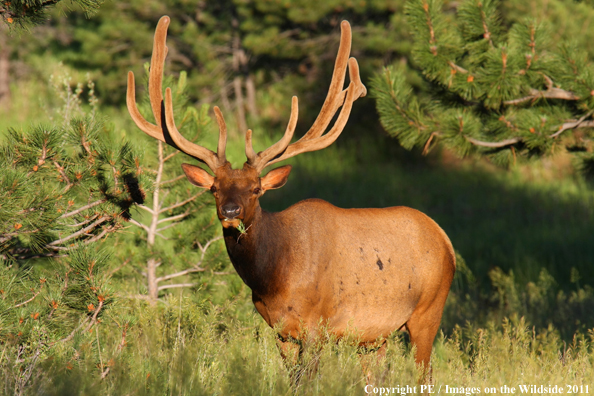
151, 275
225, 97
152, 264
250, 88
240, 111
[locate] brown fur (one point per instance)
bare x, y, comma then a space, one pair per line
362, 271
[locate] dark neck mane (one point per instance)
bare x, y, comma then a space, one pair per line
255, 252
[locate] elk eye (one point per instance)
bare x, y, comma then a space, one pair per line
257, 191
213, 189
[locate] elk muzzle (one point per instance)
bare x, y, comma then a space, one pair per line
230, 213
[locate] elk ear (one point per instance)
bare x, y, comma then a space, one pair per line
276, 178
198, 176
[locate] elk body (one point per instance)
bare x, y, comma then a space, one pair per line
367, 271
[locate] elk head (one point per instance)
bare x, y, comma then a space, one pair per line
237, 190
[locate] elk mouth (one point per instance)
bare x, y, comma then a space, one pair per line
230, 223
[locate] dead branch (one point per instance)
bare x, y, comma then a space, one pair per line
63, 174
581, 123
110, 274
94, 318
176, 285
550, 93
141, 206
457, 68
82, 209
182, 203
139, 224
168, 157
502, 143
78, 233
29, 300
172, 218
168, 226
180, 273
82, 223
180, 177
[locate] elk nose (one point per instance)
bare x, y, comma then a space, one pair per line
231, 210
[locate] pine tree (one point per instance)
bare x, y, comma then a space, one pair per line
23, 13
173, 205
64, 188
496, 91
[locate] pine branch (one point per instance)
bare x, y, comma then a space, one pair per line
168, 226
78, 233
176, 285
180, 273
575, 124
182, 203
550, 93
82, 209
173, 218
138, 224
178, 178
502, 143
29, 300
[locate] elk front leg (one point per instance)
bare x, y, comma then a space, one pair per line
370, 359
300, 357
291, 353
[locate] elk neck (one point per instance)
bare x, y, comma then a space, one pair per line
254, 253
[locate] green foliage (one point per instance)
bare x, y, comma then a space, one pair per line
63, 186
23, 13
502, 93
42, 312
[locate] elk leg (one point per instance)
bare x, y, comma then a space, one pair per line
291, 353
366, 360
422, 330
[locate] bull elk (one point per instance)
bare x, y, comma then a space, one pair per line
372, 270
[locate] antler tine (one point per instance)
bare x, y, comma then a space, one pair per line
201, 153
156, 69
333, 99
355, 90
222, 145
315, 139
153, 131
249, 149
262, 158
156, 99
155, 84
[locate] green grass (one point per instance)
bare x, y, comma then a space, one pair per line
189, 348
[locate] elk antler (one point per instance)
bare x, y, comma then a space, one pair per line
314, 139
165, 129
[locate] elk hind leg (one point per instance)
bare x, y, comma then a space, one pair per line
422, 330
